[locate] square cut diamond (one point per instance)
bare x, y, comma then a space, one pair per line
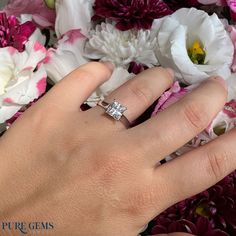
116, 110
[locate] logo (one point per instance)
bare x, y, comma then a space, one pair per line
26, 227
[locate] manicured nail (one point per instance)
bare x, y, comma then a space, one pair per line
221, 81
170, 71
109, 64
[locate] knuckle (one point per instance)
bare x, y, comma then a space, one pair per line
217, 164
137, 203
142, 93
140, 200
195, 115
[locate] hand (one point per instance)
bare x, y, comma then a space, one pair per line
89, 174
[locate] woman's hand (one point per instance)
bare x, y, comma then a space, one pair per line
89, 175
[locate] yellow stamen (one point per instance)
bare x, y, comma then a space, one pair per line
197, 53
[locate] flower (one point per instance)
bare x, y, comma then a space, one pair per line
73, 15
232, 33
119, 77
232, 6
210, 213
224, 121
50, 3
230, 3
69, 55
171, 96
137, 14
177, 33
121, 47
41, 14
13, 33
23, 78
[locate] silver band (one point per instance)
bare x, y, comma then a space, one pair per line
116, 111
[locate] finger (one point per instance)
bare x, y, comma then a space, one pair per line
179, 123
76, 87
199, 169
137, 95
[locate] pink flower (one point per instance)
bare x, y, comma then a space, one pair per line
232, 6
14, 34
23, 78
232, 33
222, 123
174, 94
42, 15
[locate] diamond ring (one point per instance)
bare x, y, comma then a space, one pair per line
116, 111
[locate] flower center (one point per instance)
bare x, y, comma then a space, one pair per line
203, 210
197, 53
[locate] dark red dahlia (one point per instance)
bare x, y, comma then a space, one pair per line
211, 213
14, 34
129, 14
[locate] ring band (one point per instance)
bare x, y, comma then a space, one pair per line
116, 111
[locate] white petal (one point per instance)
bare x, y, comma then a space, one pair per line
37, 35
67, 57
177, 32
231, 82
6, 112
119, 77
27, 81
73, 14
27, 91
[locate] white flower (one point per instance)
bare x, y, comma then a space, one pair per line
73, 26
37, 36
231, 82
178, 32
23, 78
67, 56
73, 14
119, 77
107, 43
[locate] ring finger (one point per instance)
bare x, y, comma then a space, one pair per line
136, 95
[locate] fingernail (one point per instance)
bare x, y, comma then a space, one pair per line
171, 72
221, 81
109, 64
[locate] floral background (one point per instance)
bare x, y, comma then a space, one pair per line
42, 41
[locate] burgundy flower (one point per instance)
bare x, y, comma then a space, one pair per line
211, 213
129, 14
14, 34
136, 68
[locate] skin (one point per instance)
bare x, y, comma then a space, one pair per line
89, 175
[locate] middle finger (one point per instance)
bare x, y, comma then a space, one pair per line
178, 124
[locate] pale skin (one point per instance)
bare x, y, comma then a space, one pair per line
89, 175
